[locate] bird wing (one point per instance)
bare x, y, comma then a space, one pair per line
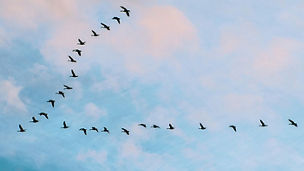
80, 41
64, 124
93, 32
128, 13
123, 7
71, 58
20, 127
291, 121
262, 122
73, 73
170, 126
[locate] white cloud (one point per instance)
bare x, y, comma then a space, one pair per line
96, 156
93, 111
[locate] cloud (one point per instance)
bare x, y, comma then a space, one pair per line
93, 111
96, 156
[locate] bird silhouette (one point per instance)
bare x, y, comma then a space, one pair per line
233, 127
61, 93
84, 130
72, 59
125, 10
105, 130
170, 127
105, 26
94, 129
94, 33
201, 126
80, 42
34, 120
65, 125
21, 129
292, 123
143, 125
125, 131
52, 102
262, 124
67, 87
78, 51
44, 114
73, 74
117, 19
155, 126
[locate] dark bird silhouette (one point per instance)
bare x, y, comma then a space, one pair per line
65, 125
105, 130
21, 129
94, 129
292, 123
262, 124
67, 87
72, 59
52, 102
125, 10
73, 74
125, 131
84, 130
80, 42
94, 33
61, 93
233, 127
44, 114
117, 19
202, 127
155, 126
105, 26
34, 120
78, 51
143, 125
170, 127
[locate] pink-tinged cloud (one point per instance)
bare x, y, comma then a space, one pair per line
96, 156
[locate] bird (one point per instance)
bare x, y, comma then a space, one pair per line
67, 87
262, 124
105, 130
61, 93
233, 127
105, 26
94, 129
65, 125
125, 131
201, 126
44, 114
80, 42
21, 129
71, 59
292, 123
94, 33
143, 125
52, 102
73, 74
34, 120
117, 19
78, 51
84, 130
170, 127
155, 126
125, 10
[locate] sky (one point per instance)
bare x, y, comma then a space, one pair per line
218, 62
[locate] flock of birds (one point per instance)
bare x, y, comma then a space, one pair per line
124, 130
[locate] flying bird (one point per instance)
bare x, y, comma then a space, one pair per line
105, 130
21, 129
61, 93
65, 125
262, 124
94, 33
72, 59
34, 120
52, 102
73, 74
44, 114
202, 127
155, 126
125, 10
292, 123
84, 130
105, 26
78, 51
170, 127
117, 19
67, 87
80, 42
125, 131
143, 125
94, 129
233, 127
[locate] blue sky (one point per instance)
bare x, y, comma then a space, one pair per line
181, 62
